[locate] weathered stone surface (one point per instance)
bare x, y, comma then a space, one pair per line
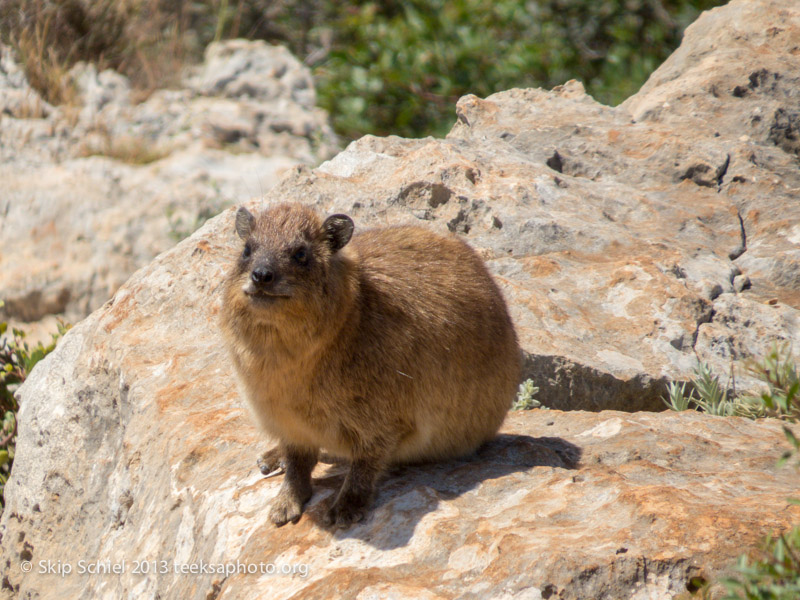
134, 446
256, 70
249, 97
74, 228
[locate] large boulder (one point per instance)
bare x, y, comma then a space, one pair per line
135, 453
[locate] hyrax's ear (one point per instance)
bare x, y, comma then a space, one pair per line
338, 229
244, 222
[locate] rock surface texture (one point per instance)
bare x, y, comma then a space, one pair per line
630, 242
77, 213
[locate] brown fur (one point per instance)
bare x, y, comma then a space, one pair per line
397, 347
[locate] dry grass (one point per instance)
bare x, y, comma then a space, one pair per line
149, 41
135, 37
49, 36
45, 71
32, 107
129, 149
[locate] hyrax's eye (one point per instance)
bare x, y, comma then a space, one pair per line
300, 256
247, 251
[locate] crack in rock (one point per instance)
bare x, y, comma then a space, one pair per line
742, 247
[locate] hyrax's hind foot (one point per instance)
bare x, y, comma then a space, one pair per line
272, 462
355, 496
341, 514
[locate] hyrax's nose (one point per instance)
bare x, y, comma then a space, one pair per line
262, 276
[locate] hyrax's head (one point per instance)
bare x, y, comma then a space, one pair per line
287, 258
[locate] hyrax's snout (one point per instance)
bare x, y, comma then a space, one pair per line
263, 275
265, 281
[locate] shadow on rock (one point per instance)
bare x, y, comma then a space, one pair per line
407, 493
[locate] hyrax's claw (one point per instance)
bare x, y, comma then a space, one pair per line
340, 515
272, 462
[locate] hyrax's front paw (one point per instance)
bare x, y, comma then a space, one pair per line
344, 514
272, 462
286, 507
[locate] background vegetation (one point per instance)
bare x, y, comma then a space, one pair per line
382, 67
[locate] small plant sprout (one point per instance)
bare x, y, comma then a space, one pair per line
712, 398
795, 449
778, 371
525, 396
677, 399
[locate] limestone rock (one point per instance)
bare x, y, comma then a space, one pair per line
134, 447
619, 233
255, 70
246, 96
98, 90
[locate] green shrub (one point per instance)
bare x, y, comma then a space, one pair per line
781, 398
778, 370
17, 358
774, 574
398, 68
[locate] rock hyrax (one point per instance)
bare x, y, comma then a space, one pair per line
395, 346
